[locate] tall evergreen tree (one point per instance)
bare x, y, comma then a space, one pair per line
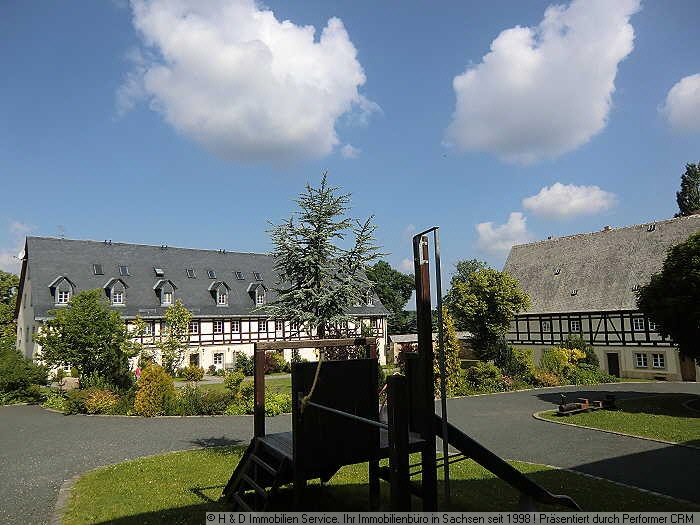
394, 289
688, 198
319, 280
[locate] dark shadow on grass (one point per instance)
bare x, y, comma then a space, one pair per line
216, 442
648, 402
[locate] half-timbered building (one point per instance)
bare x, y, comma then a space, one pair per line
586, 285
223, 290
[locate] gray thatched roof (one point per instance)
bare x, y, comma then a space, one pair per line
603, 268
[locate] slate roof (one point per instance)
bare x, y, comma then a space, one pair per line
47, 258
603, 267
413, 338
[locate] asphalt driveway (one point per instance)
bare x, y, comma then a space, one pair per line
40, 449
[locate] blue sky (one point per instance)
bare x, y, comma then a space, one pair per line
194, 124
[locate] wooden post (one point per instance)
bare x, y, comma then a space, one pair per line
425, 398
259, 389
397, 406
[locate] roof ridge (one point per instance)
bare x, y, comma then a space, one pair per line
563, 237
146, 245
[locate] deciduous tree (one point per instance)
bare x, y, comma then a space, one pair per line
8, 298
175, 339
88, 336
672, 297
484, 305
394, 290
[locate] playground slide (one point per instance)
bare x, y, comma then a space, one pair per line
499, 467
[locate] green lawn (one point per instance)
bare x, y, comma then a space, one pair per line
659, 417
179, 487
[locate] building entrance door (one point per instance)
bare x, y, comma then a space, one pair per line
613, 364
687, 368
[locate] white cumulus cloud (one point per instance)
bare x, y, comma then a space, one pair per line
497, 240
245, 85
406, 266
560, 201
682, 106
8, 256
546, 90
348, 151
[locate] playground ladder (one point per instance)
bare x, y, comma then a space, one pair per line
260, 468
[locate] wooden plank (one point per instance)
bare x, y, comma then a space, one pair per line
316, 343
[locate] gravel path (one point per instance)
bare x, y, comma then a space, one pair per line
40, 449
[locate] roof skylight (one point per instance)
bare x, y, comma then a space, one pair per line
190, 273
123, 270
257, 276
211, 274
159, 271
239, 275
97, 269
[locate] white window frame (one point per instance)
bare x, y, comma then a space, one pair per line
62, 296
641, 360
370, 299
118, 297
218, 326
67, 368
546, 325
149, 328
294, 325
374, 322
279, 325
221, 297
260, 297
575, 326
638, 324
124, 270
218, 358
658, 360
653, 327
193, 328
190, 273
167, 298
262, 325
235, 326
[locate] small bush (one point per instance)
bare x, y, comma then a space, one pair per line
74, 372
17, 374
515, 362
189, 401
215, 402
586, 374
75, 401
560, 361
192, 373
56, 400
277, 403
576, 342
212, 370
274, 362
542, 377
244, 364
484, 377
97, 381
233, 380
125, 403
155, 394
101, 402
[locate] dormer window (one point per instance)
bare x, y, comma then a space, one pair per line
651, 227
190, 273
97, 269
557, 271
165, 289
123, 270
257, 276
239, 276
159, 271
116, 291
370, 299
62, 290
220, 291
574, 291
258, 293
259, 297
211, 274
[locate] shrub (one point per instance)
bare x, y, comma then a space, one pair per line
17, 374
101, 402
155, 394
484, 377
274, 362
244, 364
277, 403
192, 373
55, 399
586, 374
542, 377
515, 362
74, 372
560, 361
576, 342
97, 381
233, 380
215, 402
125, 403
212, 370
75, 401
189, 401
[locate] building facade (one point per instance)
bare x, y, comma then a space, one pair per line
586, 285
223, 291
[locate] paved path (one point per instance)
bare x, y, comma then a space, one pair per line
40, 449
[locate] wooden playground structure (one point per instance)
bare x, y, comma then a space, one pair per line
335, 422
